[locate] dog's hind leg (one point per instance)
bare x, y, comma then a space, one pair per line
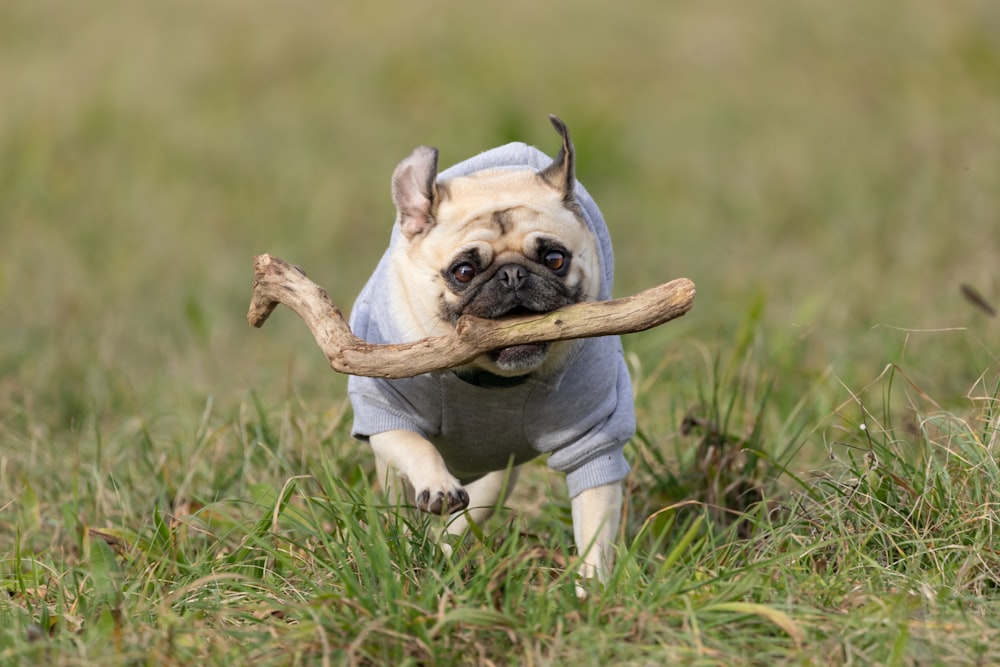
485, 494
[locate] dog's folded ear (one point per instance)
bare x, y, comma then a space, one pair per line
414, 190
561, 173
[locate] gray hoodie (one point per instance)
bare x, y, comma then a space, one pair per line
582, 417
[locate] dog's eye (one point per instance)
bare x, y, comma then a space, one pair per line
464, 272
555, 260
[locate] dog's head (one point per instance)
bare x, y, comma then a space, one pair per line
494, 243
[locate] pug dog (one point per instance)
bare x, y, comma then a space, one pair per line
507, 232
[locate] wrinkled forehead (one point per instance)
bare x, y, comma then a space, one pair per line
494, 203
482, 185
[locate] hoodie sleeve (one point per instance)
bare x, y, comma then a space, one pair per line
380, 405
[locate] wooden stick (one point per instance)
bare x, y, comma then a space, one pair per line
276, 281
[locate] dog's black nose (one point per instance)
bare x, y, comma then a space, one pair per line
512, 276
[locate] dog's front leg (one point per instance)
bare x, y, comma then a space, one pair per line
596, 514
417, 461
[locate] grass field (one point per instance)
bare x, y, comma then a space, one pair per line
815, 478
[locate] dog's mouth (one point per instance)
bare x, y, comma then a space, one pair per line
519, 311
518, 356
516, 360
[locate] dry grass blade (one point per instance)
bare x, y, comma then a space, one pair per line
779, 618
975, 297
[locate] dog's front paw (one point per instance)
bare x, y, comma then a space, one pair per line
443, 501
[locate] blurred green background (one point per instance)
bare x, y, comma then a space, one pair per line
827, 173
